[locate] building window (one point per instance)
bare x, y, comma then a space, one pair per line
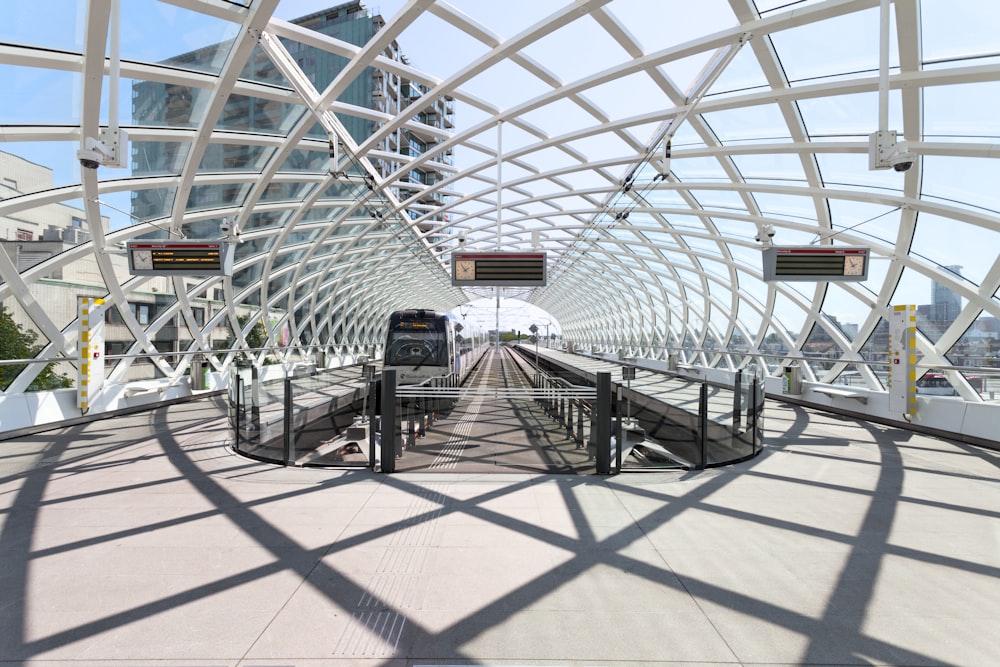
24, 235
199, 316
115, 347
142, 312
112, 316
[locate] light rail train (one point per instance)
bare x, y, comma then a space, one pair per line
936, 383
421, 344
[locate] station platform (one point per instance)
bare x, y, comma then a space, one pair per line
146, 540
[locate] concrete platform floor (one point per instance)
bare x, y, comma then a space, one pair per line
144, 541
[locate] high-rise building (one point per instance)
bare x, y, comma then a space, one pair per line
934, 318
172, 104
945, 304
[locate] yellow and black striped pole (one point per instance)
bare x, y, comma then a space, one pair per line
90, 346
903, 360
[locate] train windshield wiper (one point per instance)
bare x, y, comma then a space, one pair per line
427, 356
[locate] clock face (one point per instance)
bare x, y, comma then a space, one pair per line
142, 260
854, 265
465, 269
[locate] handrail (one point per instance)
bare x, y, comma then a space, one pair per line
281, 350
827, 360
182, 353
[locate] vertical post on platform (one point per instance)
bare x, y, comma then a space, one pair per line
237, 421
197, 373
289, 449
702, 425
737, 408
602, 424
738, 400
620, 437
255, 401
430, 401
389, 422
755, 440
411, 426
372, 411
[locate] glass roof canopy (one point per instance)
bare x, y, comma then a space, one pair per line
561, 115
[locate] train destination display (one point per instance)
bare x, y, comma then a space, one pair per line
188, 257
812, 263
498, 269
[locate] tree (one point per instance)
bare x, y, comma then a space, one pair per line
16, 343
256, 338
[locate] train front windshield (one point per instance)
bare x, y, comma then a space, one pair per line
417, 343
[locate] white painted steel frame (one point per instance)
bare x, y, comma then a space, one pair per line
611, 285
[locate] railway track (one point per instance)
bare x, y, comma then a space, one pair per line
485, 423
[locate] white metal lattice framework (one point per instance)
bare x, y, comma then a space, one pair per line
767, 107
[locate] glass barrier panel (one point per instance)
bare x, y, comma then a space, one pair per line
330, 413
257, 414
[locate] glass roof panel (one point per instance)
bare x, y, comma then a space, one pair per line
956, 113
234, 158
55, 96
37, 166
742, 75
850, 170
171, 104
253, 114
979, 25
847, 44
850, 115
62, 29
159, 32
627, 96
974, 256
699, 168
966, 182
755, 123
771, 166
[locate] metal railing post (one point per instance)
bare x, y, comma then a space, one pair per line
602, 440
238, 421
619, 441
288, 437
703, 425
411, 427
372, 411
737, 399
737, 409
389, 421
197, 373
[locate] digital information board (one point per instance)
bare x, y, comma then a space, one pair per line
180, 258
498, 269
812, 263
